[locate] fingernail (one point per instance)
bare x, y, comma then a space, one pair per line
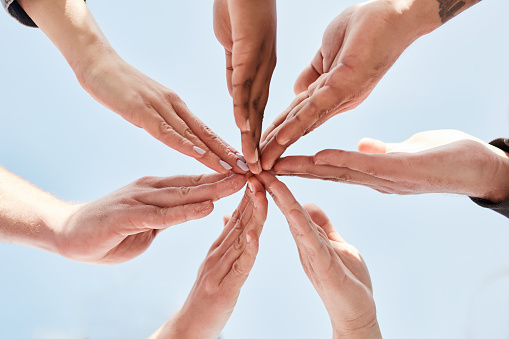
257, 154
199, 150
320, 162
249, 238
282, 141
250, 187
225, 165
240, 156
248, 126
242, 165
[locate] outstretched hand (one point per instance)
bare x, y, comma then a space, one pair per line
358, 48
440, 161
123, 224
223, 272
247, 31
334, 267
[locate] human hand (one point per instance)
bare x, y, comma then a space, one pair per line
125, 90
223, 273
122, 225
440, 161
358, 48
334, 267
157, 109
247, 31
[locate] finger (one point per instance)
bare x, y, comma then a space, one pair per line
179, 135
182, 195
238, 271
254, 197
303, 230
152, 217
226, 154
368, 145
294, 107
310, 74
226, 219
282, 116
234, 220
322, 220
260, 92
302, 166
187, 180
270, 153
322, 101
240, 259
385, 166
229, 70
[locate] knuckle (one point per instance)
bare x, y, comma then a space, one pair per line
182, 191
197, 179
237, 269
144, 181
238, 245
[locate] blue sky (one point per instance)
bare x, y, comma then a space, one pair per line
438, 262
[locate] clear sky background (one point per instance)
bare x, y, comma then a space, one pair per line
439, 263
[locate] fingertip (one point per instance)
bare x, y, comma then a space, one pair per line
369, 145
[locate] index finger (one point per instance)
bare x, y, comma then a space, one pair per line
303, 229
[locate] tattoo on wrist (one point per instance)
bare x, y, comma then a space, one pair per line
448, 8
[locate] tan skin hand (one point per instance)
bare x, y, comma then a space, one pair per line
122, 225
223, 273
123, 89
358, 48
440, 161
247, 31
334, 267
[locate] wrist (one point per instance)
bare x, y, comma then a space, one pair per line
420, 16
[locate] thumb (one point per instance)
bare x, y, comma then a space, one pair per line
310, 74
368, 145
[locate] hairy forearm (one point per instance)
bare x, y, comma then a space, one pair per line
72, 29
29, 216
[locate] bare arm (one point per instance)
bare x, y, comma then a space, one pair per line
113, 229
123, 89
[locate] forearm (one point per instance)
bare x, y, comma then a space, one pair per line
72, 29
29, 216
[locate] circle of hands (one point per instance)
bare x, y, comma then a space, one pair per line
358, 48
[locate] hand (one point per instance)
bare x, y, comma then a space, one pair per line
223, 273
125, 90
123, 224
334, 267
247, 31
358, 48
441, 161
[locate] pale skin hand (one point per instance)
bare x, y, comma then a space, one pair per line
358, 48
113, 229
247, 31
125, 90
440, 161
334, 267
223, 273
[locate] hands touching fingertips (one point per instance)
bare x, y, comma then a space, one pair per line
440, 161
223, 272
358, 48
123, 224
247, 31
334, 267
